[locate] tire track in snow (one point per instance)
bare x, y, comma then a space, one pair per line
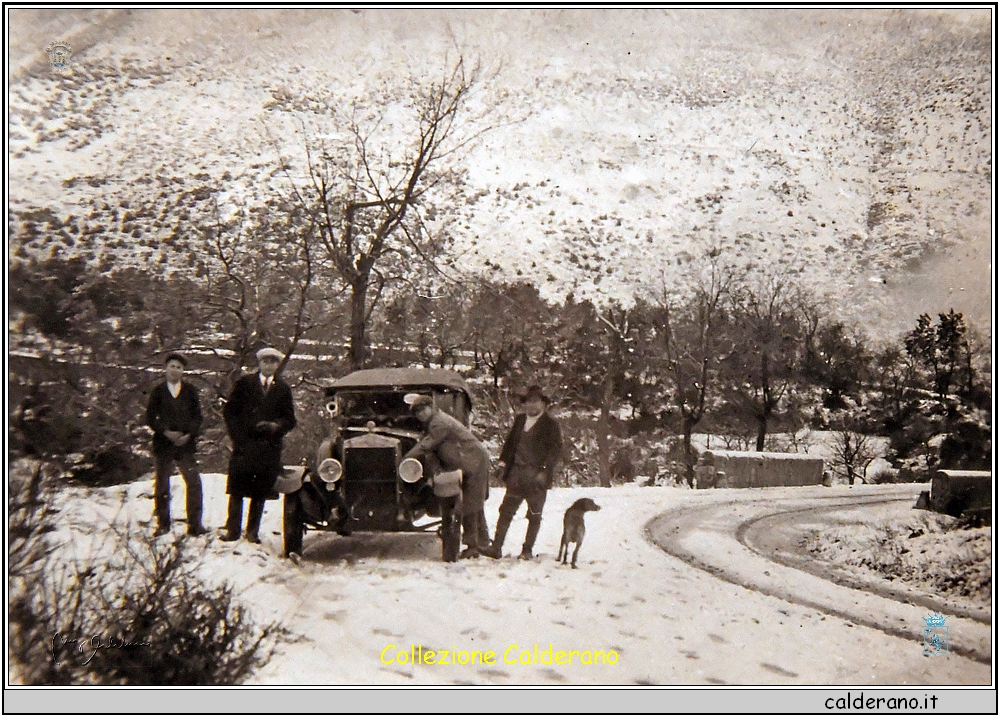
773, 536
709, 538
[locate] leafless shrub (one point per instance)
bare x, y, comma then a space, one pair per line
854, 452
132, 613
737, 442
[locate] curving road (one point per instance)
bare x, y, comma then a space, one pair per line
756, 543
669, 622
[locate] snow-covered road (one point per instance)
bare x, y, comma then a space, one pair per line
355, 607
744, 540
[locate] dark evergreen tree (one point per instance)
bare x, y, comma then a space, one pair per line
941, 349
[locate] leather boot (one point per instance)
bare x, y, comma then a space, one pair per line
254, 515
534, 523
496, 547
194, 507
161, 501
234, 519
451, 531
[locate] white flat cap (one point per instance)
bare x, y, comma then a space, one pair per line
270, 353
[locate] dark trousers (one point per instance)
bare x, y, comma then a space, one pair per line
235, 518
474, 531
451, 527
163, 467
475, 491
511, 502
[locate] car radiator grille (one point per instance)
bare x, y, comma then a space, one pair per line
370, 465
370, 487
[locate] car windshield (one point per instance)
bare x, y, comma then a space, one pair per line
388, 408
373, 405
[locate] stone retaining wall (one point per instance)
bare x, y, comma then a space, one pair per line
750, 469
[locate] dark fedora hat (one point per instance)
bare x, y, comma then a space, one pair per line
535, 391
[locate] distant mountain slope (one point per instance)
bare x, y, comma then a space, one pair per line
854, 146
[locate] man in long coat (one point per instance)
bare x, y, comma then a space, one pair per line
454, 447
174, 414
258, 414
528, 460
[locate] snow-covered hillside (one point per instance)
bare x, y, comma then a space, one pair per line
852, 146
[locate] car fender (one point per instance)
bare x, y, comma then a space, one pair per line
290, 479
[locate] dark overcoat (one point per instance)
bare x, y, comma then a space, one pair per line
455, 447
166, 413
256, 460
543, 441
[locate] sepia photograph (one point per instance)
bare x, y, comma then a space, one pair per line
503, 347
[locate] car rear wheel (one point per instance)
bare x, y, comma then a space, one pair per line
292, 525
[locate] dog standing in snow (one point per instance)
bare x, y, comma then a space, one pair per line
573, 528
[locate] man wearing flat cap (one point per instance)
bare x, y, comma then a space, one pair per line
454, 447
174, 414
258, 414
528, 461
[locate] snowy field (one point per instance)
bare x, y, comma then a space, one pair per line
355, 604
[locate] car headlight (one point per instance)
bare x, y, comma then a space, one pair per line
332, 409
410, 470
330, 471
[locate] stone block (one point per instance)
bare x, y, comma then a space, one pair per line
957, 492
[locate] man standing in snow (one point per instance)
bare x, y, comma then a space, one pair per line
258, 414
528, 461
174, 414
454, 447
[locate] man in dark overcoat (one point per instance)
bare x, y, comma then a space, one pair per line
454, 447
528, 461
174, 414
258, 414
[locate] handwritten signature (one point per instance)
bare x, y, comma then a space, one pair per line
94, 645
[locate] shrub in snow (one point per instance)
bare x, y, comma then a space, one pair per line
133, 613
936, 553
885, 475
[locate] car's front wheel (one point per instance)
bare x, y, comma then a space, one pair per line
292, 526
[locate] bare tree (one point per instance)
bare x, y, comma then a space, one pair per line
429, 325
617, 334
894, 373
378, 184
854, 453
598, 347
262, 273
765, 353
691, 338
506, 321
976, 363
834, 359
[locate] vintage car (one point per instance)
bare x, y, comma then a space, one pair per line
357, 482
